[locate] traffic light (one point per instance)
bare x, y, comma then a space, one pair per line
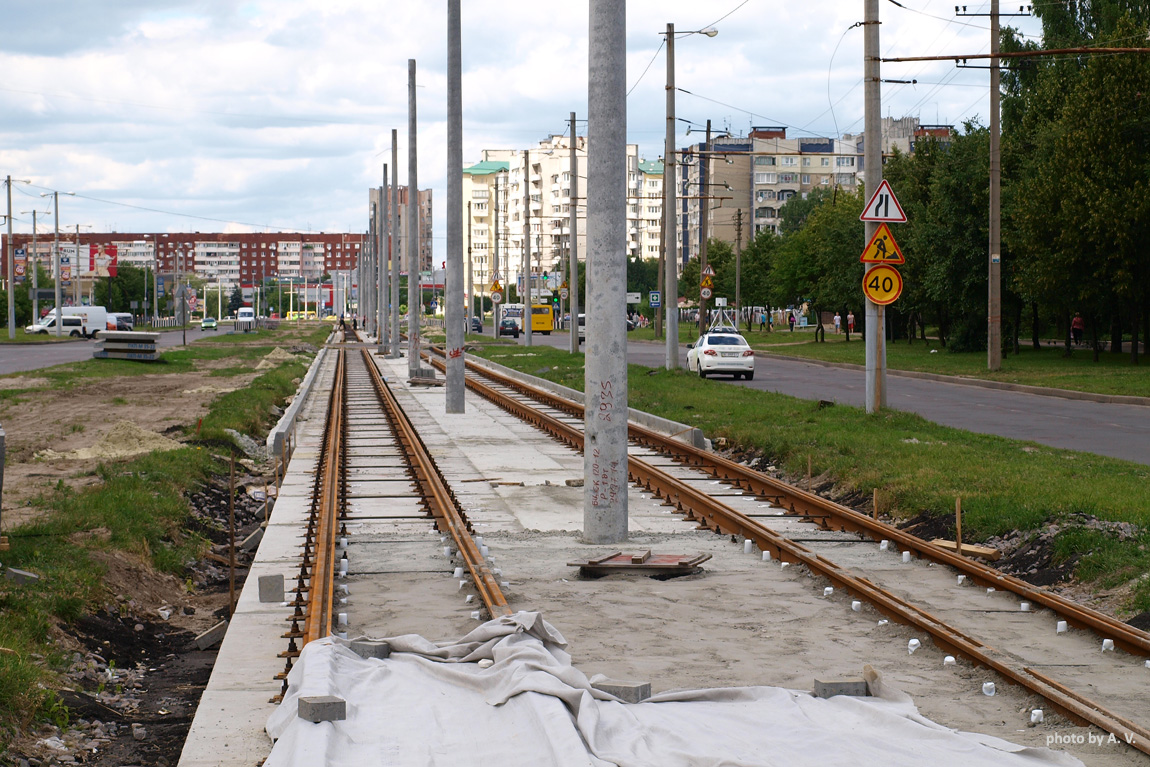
555, 301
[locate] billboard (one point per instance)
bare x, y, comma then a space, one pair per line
102, 260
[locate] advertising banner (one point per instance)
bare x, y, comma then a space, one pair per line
102, 260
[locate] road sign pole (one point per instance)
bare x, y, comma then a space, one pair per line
872, 174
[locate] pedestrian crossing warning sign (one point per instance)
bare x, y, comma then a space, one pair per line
882, 249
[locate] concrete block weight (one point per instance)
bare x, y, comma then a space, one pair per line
370, 648
321, 708
855, 686
628, 692
271, 588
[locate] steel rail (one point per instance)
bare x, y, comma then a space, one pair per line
713, 514
438, 498
796, 501
318, 621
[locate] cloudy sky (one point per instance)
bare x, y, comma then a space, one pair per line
236, 115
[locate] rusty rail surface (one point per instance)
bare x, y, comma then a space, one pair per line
713, 514
833, 516
439, 500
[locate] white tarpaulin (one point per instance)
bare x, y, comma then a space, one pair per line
433, 705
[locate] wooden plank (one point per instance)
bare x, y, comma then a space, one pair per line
638, 559
982, 552
3, 543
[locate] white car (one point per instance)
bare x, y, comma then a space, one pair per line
721, 352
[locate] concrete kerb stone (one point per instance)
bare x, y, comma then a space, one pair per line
321, 708
370, 648
252, 541
828, 689
628, 692
1041, 391
212, 636
278, 434
20, 577
689, 434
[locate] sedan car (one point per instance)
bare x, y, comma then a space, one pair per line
208, 323
722, 352
476, 325
509, 327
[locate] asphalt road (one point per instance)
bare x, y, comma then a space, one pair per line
17, 358
1118, 431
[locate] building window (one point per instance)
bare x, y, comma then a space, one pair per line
764, 160
806, 178
787, 178
788, 161
826, 161
806, 161
845, 162
826, 180
766, 178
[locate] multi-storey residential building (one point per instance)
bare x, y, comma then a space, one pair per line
399, 239
647, 210
218, 259
548, 189
485, 208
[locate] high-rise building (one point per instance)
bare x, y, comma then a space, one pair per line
399, 238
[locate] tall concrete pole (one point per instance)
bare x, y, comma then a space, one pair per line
56, 266
384, 251
35, 262
670, 236
525, 266
872, 177
414, 294
495, 265
605, 367
704, 220
994, 320
11, 271
470, 276
453, 315
573, 248
393, 227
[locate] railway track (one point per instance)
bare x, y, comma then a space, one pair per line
361, 407
562, 419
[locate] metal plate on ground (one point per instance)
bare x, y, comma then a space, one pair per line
644, 562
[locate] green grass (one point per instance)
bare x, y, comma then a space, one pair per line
1112, 374
139, 506
34, 338
916, 465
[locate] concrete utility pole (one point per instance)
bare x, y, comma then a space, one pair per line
11, 272
872, 177
495, 266
738, 265
470, 276
670, 236
526, 265
56, 266
393, 227
384, 249
704, 215
453, 315
994, 316
413, 287
35, 263
573, 249
605, 368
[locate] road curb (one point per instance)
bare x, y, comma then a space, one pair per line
1042, 391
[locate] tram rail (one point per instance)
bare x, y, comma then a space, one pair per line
711, 513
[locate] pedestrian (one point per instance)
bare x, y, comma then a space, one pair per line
1077, 325
838, 323
342, 325
355, 322
850, 322
791, 320
762, 321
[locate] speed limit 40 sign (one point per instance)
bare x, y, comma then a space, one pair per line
882, 284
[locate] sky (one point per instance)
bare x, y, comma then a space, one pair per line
266, 115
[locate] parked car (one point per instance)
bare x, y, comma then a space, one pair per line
721, 352
476, 325
509, 327
73, 326
208, 323
121, 321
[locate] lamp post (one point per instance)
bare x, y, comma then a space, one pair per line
670, 245
35, 265
56, 256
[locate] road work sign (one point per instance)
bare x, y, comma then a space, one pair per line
882, 249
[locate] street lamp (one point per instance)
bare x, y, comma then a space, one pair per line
56, 258
35, 264
670, 268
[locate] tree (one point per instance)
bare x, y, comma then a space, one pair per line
236, 300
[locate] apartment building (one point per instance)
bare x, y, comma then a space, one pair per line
217, 259
484, 209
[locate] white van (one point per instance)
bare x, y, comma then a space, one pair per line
73, 326
246, 319
121, 321
93, 320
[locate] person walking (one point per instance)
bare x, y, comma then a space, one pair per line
850, 322
838, 323
1077, 325
762, 320
791, 320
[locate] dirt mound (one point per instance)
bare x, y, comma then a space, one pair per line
1029, 555
125, 440
275, 358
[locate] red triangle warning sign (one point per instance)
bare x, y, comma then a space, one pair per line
883, 206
